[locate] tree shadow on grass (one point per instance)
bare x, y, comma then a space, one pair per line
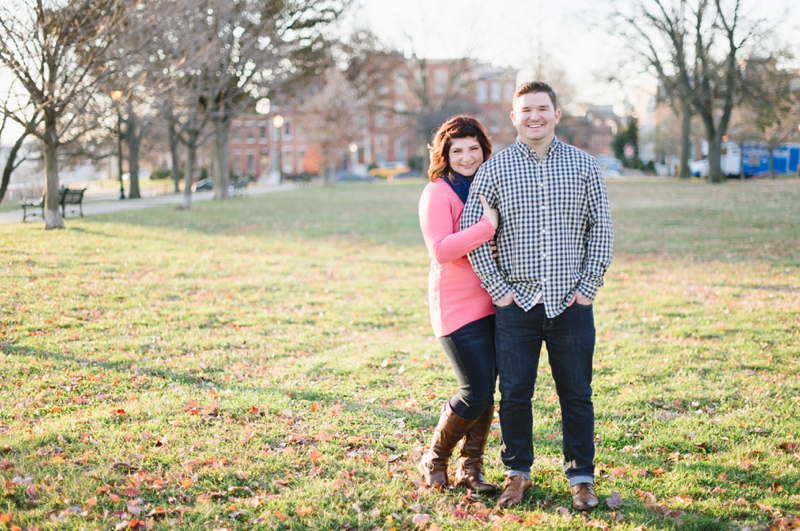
378, 214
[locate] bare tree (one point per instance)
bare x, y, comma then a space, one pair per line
329, 117
7, 110
54, 50
422, 92
262, 48
694, 47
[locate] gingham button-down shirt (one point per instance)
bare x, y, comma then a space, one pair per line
555, 232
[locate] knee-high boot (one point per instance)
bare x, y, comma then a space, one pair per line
469, 470
450, 429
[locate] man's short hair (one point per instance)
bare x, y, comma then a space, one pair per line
534, 87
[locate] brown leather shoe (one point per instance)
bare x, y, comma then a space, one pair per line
583, 497
514, 489
450, 429
469, 470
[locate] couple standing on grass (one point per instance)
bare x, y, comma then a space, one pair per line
544, 204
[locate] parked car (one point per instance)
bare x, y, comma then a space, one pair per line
390, 169
609, 166
699, 168
203, 184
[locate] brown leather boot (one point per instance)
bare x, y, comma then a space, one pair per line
450, 430
469, 470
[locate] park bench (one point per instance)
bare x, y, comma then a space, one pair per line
66, 196
239, 187
300, 179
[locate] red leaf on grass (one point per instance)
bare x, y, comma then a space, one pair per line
31, 492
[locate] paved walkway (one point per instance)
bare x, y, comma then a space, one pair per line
103, 204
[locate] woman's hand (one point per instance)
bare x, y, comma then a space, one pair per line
489, 212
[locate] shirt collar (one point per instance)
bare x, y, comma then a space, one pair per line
526, 151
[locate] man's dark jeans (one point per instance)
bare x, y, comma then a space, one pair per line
570, 339
471, 352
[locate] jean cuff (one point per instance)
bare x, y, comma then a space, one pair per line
577, 480
524, 473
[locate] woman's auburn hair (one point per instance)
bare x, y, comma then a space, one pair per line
460, 126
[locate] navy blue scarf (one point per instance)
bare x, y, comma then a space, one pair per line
459, 184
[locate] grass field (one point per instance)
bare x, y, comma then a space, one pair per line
267, 362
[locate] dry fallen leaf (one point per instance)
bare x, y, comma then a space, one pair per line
614, 501
420, 520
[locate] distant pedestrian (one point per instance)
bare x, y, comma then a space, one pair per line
462, 314
554, 245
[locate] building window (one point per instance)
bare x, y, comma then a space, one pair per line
287, 160
400, 152
482, 94
250, 136
382, 148
287, 129
399, 84
495, 86
274, 134
509, 92
262, 133
381, 119
301, 158
440, 81
237, 165
264, 165
251, 164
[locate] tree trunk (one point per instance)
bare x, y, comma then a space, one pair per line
173, 151
9, 167
221, 160
190, 161
686, 138
52, 214
715, 174
771, 150
133, 140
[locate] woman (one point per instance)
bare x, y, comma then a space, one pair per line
462, 314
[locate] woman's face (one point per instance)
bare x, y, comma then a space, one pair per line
465, 155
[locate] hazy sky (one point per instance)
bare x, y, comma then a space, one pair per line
570, 33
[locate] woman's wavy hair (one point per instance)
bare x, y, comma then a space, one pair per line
456, 127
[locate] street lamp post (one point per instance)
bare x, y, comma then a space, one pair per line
116, 95
353, 157
278, 121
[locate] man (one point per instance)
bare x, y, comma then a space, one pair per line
554, 244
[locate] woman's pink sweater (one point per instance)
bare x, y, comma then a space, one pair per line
454, 290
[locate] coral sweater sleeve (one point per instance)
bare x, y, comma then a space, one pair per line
439, 217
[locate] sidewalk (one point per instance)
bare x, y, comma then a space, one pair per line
105, 203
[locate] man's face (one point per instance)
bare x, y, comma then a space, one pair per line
535, 118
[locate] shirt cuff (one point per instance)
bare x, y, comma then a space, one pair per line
498, 290
587, 289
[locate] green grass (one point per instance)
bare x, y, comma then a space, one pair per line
267, 362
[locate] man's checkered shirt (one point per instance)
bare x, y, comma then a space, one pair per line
555, 233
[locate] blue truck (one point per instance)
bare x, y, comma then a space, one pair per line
754, 158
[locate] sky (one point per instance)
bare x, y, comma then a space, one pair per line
569, 33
